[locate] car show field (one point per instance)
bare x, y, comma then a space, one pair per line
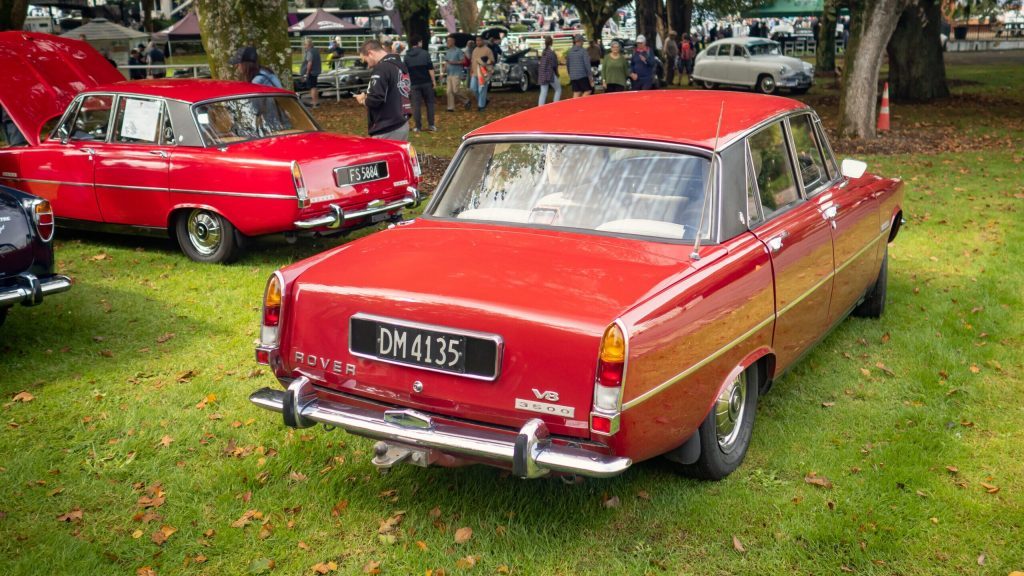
893, 447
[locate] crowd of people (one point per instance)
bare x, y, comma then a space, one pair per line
146, 55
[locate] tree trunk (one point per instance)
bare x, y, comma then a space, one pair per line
825, 56
264, 29
916, 69
416, 19
647, 21
13, 14
871, 25
147, 15
468, 15
685, 17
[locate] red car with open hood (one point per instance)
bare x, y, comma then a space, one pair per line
582, 294
208, 162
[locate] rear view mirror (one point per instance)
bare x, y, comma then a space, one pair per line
853, 168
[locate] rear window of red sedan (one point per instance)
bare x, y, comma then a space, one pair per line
224, 122
601, 188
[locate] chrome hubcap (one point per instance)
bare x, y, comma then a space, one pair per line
204, 231
767, 84
730, 409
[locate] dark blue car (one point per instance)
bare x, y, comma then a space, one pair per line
26, 254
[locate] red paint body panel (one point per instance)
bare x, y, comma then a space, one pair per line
634, 116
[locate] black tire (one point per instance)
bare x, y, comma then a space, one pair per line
206, 236
766, 84
524, 82
718, 459
874, 301
708, 85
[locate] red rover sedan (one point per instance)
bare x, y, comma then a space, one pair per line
582, 293
210, 163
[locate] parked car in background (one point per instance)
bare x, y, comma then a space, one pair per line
26, 254
516, 70
350, 76
753, 63
594, 283
209, 163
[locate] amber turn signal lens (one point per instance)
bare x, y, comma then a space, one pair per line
613, 345
43, 215
272, 302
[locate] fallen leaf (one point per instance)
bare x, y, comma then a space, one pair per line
23, 396
339, 508
846, 569
463, 535
813, 478
145, 571
165, 337
100, 256
72, 516
261, 566
296, 476
643, 495
953, 469
503, 569
199, 559
611, 502
827, 404
884, 368
934, 520
981, 560
991, 489
209, 399
161, 535
885, 338
465, 563
975, 369
187, 375
265, 531
137, 534
435, 512
165, 441
302, 545
865, 371
371, 567
737, 545
390, 524
421, 545
245, 519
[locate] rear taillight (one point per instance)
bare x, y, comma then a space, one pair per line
611, 369
42, 216
414, 160
300, 185
271, 318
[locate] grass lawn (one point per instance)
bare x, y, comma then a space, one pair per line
129, 443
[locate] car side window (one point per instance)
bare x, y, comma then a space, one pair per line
773, 172
93, 118
138, 121
739, 51
808, 154
713, 51
826, 150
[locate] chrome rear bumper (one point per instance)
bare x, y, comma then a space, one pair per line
337, 215
30, 289
530, 452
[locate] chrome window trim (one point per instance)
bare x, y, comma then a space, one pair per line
827, 151
799, 190
823, 186
748, 168
714, 228
164, 116
77, 104
499, 344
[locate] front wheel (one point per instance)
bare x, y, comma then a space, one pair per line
726, 431
524, 82
766, 84
709, 85
206, 236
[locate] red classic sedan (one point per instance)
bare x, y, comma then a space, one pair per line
208, 162
583, 293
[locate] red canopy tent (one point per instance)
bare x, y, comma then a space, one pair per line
321, 22
185, 29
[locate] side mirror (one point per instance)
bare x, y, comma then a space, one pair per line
853, 168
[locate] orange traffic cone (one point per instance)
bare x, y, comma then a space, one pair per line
883, 114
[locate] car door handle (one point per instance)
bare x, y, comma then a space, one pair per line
160, 153
88, 151
775, 244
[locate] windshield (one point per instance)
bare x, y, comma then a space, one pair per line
579, 186
764, 49
242, 119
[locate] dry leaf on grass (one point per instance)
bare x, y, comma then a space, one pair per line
145, 571
72, 516
466, 563
463, 535
813, 478
23, 396
371, 567
611, 502
737, 545
421, 545
991, 489
391, 524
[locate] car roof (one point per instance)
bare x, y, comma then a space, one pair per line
744, 41
189, 90
688, 117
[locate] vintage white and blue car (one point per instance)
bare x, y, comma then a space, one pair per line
754, 63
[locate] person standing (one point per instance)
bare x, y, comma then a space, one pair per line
495, 45
455, 68
671, 58
547, 73
421, 76
248, 69
310, 69
155, 56
596, 53
480, 69
642, 66
687, 54
614, 69
387, 97
135, 60
577, 62
337, 53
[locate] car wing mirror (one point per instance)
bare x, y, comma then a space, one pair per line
853, 168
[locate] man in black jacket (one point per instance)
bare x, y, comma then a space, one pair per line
421, 76
387, 97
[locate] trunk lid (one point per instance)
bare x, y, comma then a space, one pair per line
16, 252
319, 153
546, 295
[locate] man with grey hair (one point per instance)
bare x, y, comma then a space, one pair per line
310, 69
387, 97
577, 62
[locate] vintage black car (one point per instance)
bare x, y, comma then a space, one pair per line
516, 70
26, 255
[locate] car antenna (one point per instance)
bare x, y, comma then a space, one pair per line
695, 255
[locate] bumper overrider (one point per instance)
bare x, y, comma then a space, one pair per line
413, 435
28, 289
337, 215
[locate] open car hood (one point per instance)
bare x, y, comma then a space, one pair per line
42, 73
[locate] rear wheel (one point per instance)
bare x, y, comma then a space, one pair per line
766, 84
874, 301
524, 82
709, 85
725, 434
206, 236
